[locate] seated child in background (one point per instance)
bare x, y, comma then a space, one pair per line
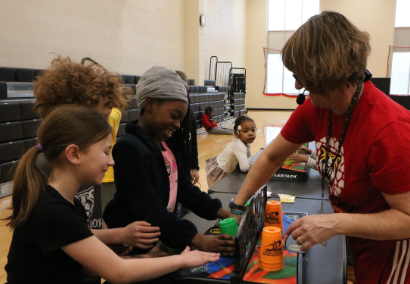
238, 151
66, 82
51, 240
211, 126
309, 160
152, 165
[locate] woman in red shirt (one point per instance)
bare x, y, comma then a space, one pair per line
360, 135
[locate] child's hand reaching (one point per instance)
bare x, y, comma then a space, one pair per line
197, 258
298, 158
140, 234
195, 176
224, 244
305, 150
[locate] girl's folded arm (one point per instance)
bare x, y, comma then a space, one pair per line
240, 151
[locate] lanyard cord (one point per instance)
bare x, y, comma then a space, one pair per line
342, 138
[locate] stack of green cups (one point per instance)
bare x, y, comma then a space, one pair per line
229, 226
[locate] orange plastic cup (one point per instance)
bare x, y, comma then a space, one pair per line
273, 214
271, 253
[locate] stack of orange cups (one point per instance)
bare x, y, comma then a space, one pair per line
271, 253
273, 214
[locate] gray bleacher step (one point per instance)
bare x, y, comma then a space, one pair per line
20, 90
6, 189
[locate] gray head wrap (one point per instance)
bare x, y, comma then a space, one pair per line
160, 83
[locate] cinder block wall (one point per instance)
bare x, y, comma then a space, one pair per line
125, 36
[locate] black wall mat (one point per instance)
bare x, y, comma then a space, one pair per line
27, 110
137, 78
130, 79
29, 143
382, 83
3, 90
124, 117
7, 171
121, 130
25, 74
9, 111
30, 127
132, 104
134, 89
133, 114
7, 74
14, 131
11, 151
38, 72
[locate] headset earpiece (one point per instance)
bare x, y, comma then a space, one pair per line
367, 75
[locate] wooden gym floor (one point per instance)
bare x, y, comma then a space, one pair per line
208, 146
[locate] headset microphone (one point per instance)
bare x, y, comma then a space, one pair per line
301, 98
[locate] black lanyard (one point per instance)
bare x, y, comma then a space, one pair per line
342, 138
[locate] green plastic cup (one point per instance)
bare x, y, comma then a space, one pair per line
177, 251
229, 226
288, 163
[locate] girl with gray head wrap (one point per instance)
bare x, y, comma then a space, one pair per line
153, 168
160, 83
164, 84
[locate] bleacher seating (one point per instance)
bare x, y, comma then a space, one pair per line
200, 101
18, 128
237, 104
18, 122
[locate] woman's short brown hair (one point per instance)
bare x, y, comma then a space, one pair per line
327, 52
67, 82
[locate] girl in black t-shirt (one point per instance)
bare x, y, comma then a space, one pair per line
51, 241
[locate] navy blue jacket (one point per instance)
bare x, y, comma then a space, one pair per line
142, 183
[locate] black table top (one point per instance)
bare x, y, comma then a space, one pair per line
309, 189
320, 264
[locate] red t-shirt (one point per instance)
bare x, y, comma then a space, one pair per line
208, 122
373, 160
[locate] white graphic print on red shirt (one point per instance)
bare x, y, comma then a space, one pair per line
334, 168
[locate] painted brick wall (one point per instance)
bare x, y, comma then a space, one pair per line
125, 36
